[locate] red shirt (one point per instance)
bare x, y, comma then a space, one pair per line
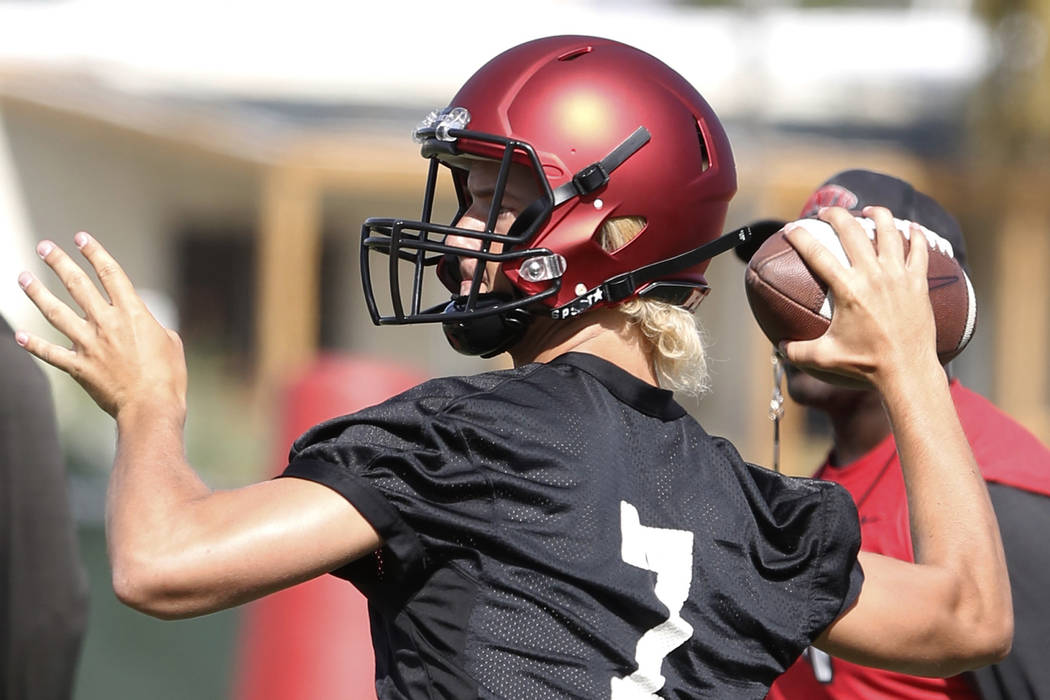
1006, 453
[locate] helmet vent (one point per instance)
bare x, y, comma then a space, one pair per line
575, 53
705, 158
618, 231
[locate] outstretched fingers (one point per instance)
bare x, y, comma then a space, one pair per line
120, 353
83, 290
54, 355
57, 313
80, 331
112, 276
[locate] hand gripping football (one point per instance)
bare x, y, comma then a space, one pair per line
791, 303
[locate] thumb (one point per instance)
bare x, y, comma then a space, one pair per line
802, 352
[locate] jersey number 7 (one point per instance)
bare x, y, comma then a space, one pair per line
669, 554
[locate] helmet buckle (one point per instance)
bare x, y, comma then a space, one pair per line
590, 179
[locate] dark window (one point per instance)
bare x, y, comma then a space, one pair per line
216, 291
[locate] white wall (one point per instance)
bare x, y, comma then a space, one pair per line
16, 241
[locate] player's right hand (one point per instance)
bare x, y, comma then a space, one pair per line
120, 353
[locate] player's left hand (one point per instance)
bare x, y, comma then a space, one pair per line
120, 354
882, 322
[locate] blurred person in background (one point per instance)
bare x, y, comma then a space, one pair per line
43, 589
865, 460
563, 528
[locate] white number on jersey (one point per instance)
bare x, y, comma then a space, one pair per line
669, 554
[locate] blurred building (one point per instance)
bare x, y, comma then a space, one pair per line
227, 154
230, 170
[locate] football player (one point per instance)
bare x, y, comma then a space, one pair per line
562, 528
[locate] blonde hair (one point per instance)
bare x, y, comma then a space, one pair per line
673, 333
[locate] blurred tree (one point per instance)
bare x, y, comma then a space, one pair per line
1014, 103
1008, 181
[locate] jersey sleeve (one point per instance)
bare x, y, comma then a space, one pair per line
838, 576
806, 545
403, 466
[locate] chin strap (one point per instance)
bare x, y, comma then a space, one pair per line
776, 406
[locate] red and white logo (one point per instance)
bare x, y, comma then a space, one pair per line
829, 196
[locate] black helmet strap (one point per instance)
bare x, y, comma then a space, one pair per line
596, 175
624, 285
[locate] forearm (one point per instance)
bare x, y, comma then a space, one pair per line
178, 549
149, 492
955, 535
950, 611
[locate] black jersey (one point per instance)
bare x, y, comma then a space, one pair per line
565, 530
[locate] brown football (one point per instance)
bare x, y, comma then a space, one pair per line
790, 303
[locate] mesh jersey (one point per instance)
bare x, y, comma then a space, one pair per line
1008, 455
565, 530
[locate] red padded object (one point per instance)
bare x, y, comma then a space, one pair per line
790, 303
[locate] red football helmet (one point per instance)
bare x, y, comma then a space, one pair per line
609, 131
